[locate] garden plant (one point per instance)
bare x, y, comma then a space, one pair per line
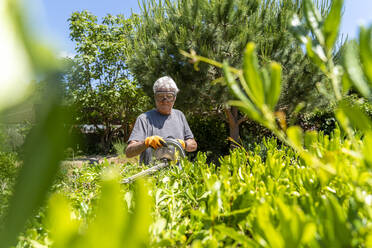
296, 189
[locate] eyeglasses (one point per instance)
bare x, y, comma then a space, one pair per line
161, 96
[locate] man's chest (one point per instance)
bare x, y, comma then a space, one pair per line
168, 128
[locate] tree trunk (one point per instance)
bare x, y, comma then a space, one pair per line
234, 122
106, 141
126, 131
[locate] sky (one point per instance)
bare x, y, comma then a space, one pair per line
54, 15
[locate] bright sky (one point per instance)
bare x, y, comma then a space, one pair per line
55, 14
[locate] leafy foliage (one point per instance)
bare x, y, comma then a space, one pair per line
99, 88
110, 215
210, 133
314, 191
254, 102
9, 167
46, 141
249, 199
220, 30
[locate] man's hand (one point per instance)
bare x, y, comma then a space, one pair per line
182, 142
154, 141
191, 145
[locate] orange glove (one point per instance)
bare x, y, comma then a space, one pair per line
182, 142
154, 141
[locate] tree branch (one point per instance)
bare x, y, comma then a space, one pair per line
241, 120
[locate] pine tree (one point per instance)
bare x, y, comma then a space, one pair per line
219, 29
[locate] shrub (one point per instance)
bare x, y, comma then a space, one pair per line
119, 147
12, 136
9, 167
211, 134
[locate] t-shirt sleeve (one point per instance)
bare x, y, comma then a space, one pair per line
187, 131
139, 130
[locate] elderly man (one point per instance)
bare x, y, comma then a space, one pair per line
163, 122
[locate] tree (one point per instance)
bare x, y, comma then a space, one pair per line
99, 86
220, 29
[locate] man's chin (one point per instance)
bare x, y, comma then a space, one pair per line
164, 111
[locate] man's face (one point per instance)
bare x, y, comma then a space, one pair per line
164, 101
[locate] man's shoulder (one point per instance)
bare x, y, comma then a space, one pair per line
177, 112
179, 115
147, 114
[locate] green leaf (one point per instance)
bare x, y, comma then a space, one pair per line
265, 80
233, 85
16, 64
252, 76
239, 237
298, 29
309, 232
313, 20
136, 232
337, 223
343, 120
63, 228
346, 83
110, 214
244, 104
44, 148
264, 222
367, 149
248, 108
310, 139
354, 70
365, 51
295, 135
331, 24
317, 55
273, 94
356, 117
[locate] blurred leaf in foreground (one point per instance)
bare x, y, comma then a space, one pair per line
113, 225
44, 146
16, 69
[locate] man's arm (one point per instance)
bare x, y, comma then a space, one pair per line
135, 148
191, 145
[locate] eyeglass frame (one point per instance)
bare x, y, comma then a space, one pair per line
165, 97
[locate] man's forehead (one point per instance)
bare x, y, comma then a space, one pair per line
165, 90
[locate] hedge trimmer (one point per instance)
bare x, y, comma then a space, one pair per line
162, 157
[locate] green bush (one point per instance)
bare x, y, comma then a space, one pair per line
325, 120
211, 133
119, 147
12, 136
90, 143
249, 200
314, 191
9, 166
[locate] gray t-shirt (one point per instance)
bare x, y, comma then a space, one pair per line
166, 126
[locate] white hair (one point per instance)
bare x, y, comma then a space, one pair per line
167, 83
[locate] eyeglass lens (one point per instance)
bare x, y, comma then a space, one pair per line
164, 96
